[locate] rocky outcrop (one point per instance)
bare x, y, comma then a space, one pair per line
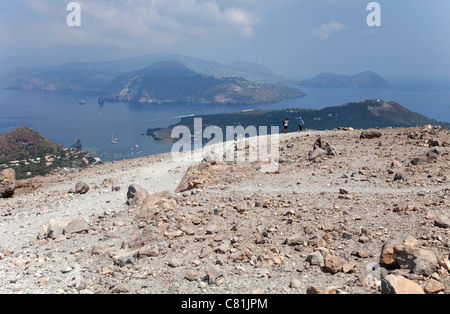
321, 148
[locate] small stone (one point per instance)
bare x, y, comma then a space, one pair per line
347, 235
276, 260
121, 288
334, 264
364, 239
321, 290
442, 222
66, 270
362, 254
124, 260
433, 286
212, 229
191, 275
349, 267
99, 249
295, 284
205, 251
81, 188
76, 225
115, 188
315, 259
293, 241
398, 177
445, 263
174, 263
223, 248
213, 274
430, 215
149, 250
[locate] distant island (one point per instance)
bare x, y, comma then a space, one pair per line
364, 79
30, 154
174, 82
360, 115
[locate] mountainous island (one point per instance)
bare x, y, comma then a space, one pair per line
96, 76
364, 79
174, 82
359, 115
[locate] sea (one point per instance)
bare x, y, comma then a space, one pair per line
64, 117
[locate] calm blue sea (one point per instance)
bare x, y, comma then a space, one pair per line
59, 116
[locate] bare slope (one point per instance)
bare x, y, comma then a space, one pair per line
314, 225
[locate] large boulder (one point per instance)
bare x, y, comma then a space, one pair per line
7, 183
392, 284
66, 226
136, 194
370, 135
388, 257
334, 264
419, 261
153, 203
321, 148
428, 157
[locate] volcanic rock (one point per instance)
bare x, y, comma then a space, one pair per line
7, 183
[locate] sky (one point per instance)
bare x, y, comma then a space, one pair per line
296, 38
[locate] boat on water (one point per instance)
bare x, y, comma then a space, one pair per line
82, 102
114, 140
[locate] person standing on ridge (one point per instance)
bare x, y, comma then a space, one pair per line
286, 124
301, 123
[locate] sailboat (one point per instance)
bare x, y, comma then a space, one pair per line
114, 140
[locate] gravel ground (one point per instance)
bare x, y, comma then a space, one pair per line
236, 229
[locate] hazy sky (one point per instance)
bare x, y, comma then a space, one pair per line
296, 38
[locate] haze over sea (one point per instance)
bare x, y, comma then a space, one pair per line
60, 118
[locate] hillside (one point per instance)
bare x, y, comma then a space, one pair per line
174, 82
25, 143
364, 220
365, 79
30, 154
362, 115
